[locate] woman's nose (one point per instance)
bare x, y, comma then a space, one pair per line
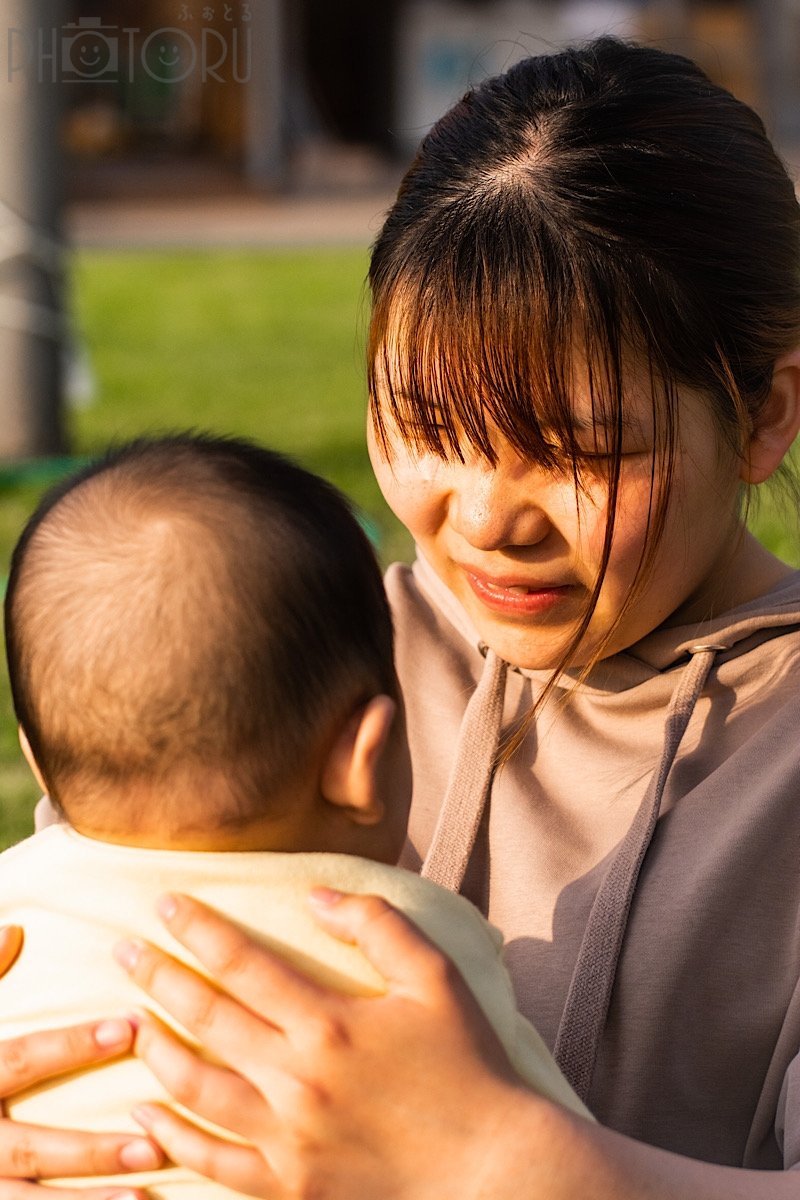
492, 507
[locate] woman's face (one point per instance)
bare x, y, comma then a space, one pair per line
521, 549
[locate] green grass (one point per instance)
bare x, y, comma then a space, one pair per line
266, 344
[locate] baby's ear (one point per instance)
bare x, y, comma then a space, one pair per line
777, 424
32, 763
349, 777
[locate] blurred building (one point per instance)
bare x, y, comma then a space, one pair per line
309, 93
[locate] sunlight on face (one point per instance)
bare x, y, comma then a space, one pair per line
521, 548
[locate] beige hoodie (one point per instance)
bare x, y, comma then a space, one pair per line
682, 1025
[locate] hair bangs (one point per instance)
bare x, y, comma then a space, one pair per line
473, 344
500, 333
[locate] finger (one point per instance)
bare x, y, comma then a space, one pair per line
37, 1056
212, 1092
31, 1152
10, 946
241, 1168
221, 1025
398, 950
260, 979
20, 1189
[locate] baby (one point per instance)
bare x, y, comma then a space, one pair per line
201, 660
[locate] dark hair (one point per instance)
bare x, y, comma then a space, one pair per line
606, 204
197, 602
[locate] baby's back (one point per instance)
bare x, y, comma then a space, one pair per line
77, 897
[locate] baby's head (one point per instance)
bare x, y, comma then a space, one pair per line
200, 653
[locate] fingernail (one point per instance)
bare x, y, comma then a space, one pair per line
140, 1156
135, 1019
124, 1196
128, 954
166, 906
325, 897
145, 1115
113, 1033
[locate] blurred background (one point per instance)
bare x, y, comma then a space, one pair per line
188, 192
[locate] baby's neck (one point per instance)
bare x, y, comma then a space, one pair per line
282, 830
190, 813
298, 819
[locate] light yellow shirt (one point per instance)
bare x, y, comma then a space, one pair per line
76, 897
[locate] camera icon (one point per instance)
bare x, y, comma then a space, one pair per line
88, 53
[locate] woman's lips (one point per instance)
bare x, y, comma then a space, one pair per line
510, 596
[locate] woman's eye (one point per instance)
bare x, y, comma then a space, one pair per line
417, 440
436, 421
598, 458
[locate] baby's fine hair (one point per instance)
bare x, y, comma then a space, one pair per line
191, 604
608, 206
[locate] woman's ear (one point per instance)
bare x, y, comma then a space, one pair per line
777, 424
349, 777
32, 763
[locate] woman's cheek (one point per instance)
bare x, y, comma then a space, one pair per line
589, 520
413, 487
632, 522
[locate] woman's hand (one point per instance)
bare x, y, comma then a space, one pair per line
407, 1096
27, 1152
404, 1095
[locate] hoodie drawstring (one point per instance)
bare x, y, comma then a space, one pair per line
468, 789
589, 993
460, 816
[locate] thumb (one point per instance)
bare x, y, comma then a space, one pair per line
10, 946
398, 950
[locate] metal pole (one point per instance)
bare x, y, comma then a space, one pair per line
266, 149
31, 319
